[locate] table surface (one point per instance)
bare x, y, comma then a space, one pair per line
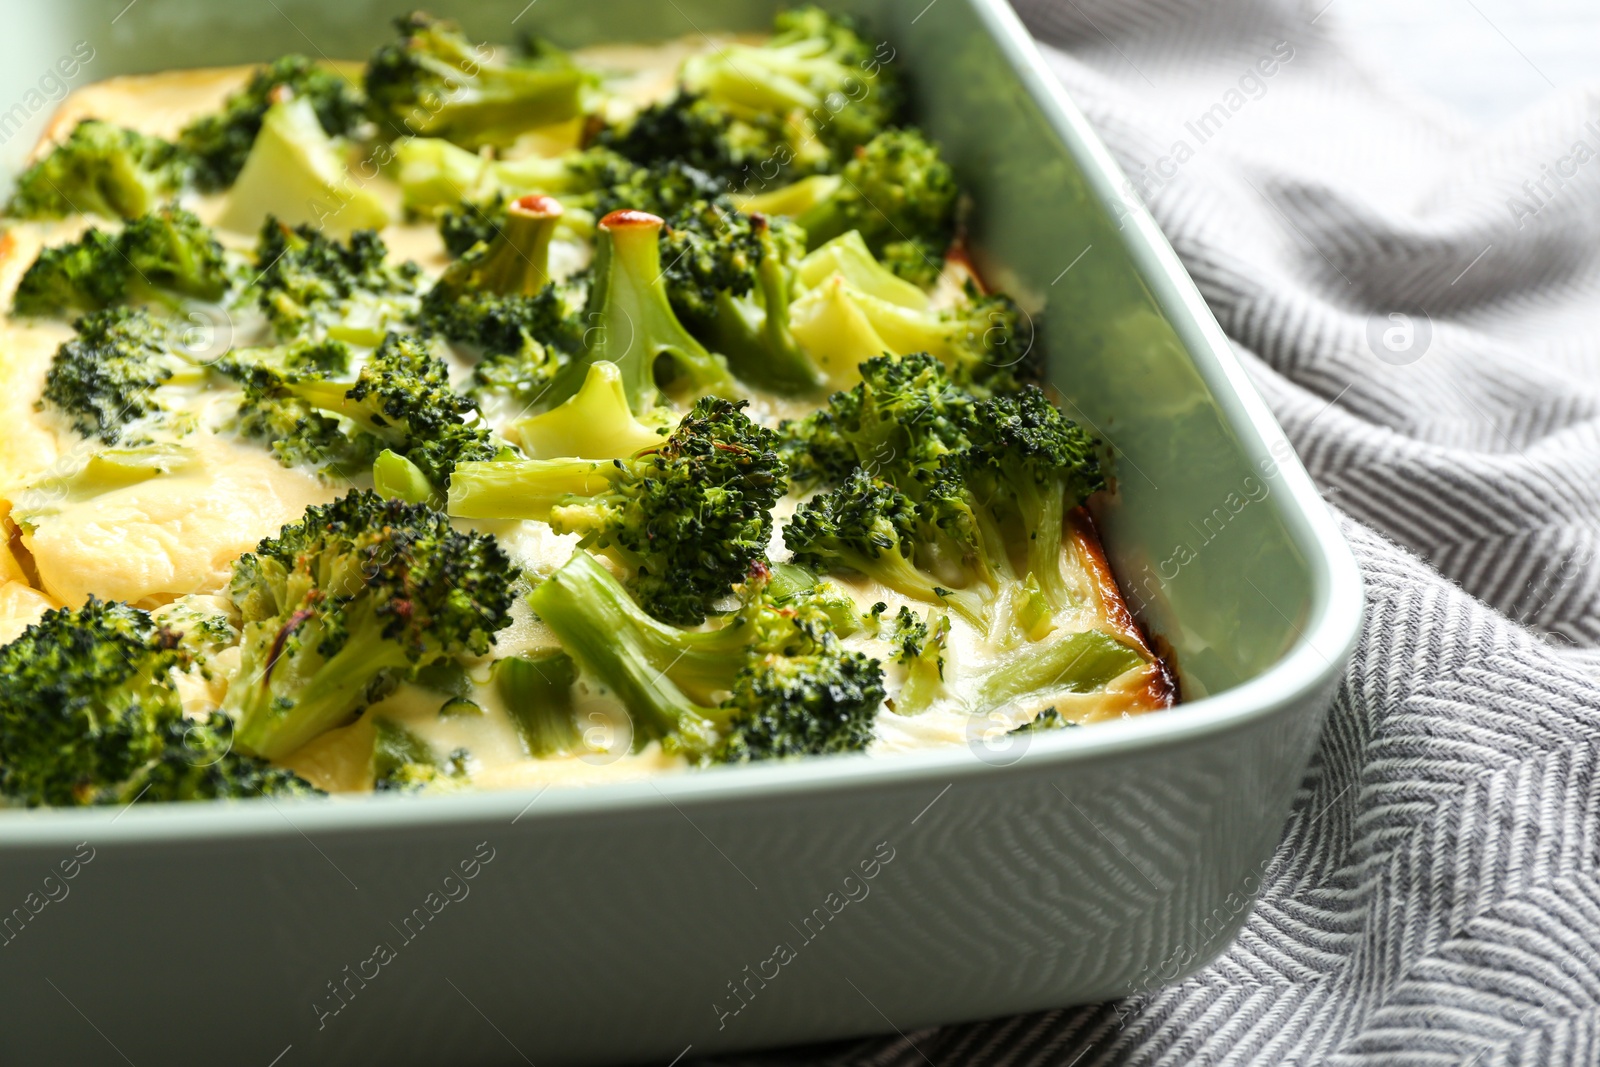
1487, 59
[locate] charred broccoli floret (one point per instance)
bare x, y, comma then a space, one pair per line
220, 142
437, 83
100, 169
310, 283
768, 681
688, 516
90, 714
159, 257
118, 370
356, 596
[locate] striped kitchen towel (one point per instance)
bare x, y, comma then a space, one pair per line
1419, 301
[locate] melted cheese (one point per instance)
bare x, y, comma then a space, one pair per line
172, 535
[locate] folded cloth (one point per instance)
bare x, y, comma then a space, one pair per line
1419, 301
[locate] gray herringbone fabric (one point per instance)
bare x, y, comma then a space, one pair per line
1436, 898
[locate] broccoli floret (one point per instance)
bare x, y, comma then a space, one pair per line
309, 283
118, 370
100, 169
768, 681
219, 143
815, 75
955, 501
899, 420
666, 188
271, 411
867, 526
353, 598
920, 651
688, 516
854, 309
403, 762
500, 298
895, 191
689, 129
157, 257
401, 401
436, 83
729, 277
631, 322
470, 222
90, 714
199, 763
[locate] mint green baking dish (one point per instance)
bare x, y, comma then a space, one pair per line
757, 906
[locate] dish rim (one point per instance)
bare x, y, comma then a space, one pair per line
1324, 641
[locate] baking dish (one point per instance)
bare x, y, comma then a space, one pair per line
762, 905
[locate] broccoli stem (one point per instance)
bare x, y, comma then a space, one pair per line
524, 488
537, 691
1080, 662
518, 261
617, 643
631, 322
395, 476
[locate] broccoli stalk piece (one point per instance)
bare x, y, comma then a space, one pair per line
436, 83
311, 284
401, 401
123, 367
1078, 661
536, 691
790, 688
158, 257
594, 423
499, 297
358, 595
100, 169
295, 172
437, 176
90, 714
631, 322
853, 309
895, 191
219, 143
688, 516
